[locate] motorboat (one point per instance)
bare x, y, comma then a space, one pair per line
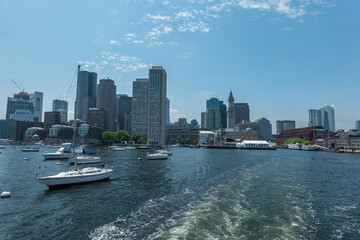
295, 146
66, 146
59, 154
164, 151
30, 149
309, 147
156, 156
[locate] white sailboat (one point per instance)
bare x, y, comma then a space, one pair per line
76, 176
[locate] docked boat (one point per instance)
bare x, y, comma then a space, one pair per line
295, 146
66, 146
256, 145
76, 176
156, 156
86, 159
143, 147
309, 147
30, 149
59, 154
4, 142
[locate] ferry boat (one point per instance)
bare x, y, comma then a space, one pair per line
256, 145
295, 146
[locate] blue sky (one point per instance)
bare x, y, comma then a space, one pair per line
282, 57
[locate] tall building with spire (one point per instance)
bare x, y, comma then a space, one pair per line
231, 111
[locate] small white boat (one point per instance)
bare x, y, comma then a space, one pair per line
30, 149
156, 156
66, 146
118, 149
130, 148
295, 146
59, 154
309, 147
169, 153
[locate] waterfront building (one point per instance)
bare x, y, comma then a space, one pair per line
62, 107
89, 134
265, 128
140, 106
212, 114
206, 138
173, 132
31, 132
37, 100
51, 118
18, 128
106, 100
340, 140
231, 112
223, 114
167, 111
4, 128
85, 94
20, 101
224, 136
242, 112
157, 106
357, 125
98, 118
60, 133
22, 115
307, 133
123, 113
282, 125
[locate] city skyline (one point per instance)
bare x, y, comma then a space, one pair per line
276, 58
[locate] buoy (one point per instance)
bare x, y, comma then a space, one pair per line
58, 163
139, 158
26, 159
5, 194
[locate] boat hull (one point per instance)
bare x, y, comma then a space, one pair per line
78, 179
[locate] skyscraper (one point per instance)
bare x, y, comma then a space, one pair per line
282, 125
62, 107
124, 108
223, 114
167, 111
157, 106
212, 114
330, 112
37, 99
315, 118
140, 106
85, 94
106, 100
265, 128
231, 112
357, 125
324, 117
242, 112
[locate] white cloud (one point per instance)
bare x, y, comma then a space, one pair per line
158, 17
176, 114
114, 42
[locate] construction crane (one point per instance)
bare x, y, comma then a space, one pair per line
21, 90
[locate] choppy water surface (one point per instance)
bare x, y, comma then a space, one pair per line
195, 194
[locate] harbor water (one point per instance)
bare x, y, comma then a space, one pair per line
195, 194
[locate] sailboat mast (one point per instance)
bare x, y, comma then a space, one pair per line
74, 137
